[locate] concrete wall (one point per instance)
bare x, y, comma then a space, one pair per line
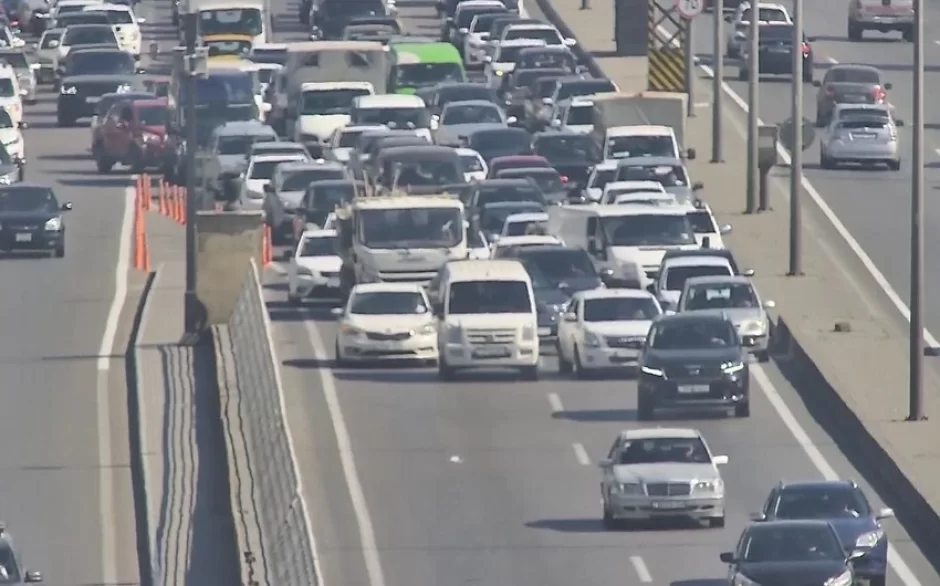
225, 243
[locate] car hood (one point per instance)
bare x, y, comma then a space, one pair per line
320, 264
683, 357
323, 125
665, 472
391, 324
791, 572
625, 329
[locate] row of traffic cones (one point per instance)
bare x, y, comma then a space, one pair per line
172, 202
141, 206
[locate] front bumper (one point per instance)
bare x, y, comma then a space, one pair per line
886, 23
364, 347
696, 393
478, 356
316, 286
645, 507
29, 239
74, 106
604, 358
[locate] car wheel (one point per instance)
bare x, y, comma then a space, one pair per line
564, 367
644, 409
742, 410
338, 359
59, 251
607, 519
716, 522
530, 372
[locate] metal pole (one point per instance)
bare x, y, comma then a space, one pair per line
752, 113
718, 95
191, 303
796, 151
689, 68
916, 407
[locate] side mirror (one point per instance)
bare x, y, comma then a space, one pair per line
33, 46
748, 272
605, 463
720, 460
697, 186
512, 120
556, 123
888, 85
727, 557
338, 311
770, 304
758, 517
23, 125
724, 229
66, 207
817, 83
690, 154
570, 42
268, 188
857, 554
53, 44
885, 513
488, 59
898, 122
32, 577
571, 317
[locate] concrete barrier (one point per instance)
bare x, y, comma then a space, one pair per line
272, 522
225, 242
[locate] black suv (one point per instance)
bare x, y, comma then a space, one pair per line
31, 219
843, 505
693, 361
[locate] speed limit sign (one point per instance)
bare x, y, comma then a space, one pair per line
690, 8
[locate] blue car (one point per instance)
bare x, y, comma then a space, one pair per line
843, 505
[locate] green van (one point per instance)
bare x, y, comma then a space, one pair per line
419, 65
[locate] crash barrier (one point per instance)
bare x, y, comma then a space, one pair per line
267, 248
271, 518
173, 202
141, 207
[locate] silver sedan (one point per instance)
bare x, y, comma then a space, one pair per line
864, 140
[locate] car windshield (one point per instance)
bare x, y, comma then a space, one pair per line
153, 115
101, 63
472, 114
286, 150
426, 172
548, 180
5, 120
235, 21
91, 35
411, 228
264, 169
464, 92
776, 543
648, 230
328, 197
227, 47
427, 74
821, 502
602, 177
567, 149
489, 195
483, 22
622, 147
765, 15
677, 276
388, 303
483, 297
27, 199
549, 35
689, 334
465, 16
118, 16
620, 309
721, 296
551, 269
702, 222
394, 117
471, 163
318, 246
580, 116
551, 59
862, 113
859, 75
325, 102
7, 87
239, 145
299, 180
50, 40
584, 88
665, 175
664, 450
15, 60
525, 227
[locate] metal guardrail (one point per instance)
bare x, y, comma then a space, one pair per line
271, 517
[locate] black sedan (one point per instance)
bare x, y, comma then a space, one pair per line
775, 53
31, 219
572, 154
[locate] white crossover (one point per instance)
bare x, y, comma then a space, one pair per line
314, 267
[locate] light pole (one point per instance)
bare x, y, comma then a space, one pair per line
192, 313
796, 148
916, 377
753, 79
718, 95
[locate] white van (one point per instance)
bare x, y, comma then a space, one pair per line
486, 317
397, 111
626, 242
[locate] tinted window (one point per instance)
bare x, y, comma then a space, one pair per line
349, 137
7, 88
152, 116
472, 114
502, 142
867, 124
299, 180
394, 117
426, 172
677, 276
622, 147
494, 194
493, 216
319, 246
263, 169
580, 115
466, 15
461, 93
388, 302
277, 56
242, 20
50, 38
427, 74
663, 450
688, 334
118, 16
548, 59
15, 60
484, 21
721, 296
411, 228
100, 63
489, 297
854, 75
89, 36
329, 197
559, 266
578, 148
821, 502
550, 36
27, 199
776, 543
620, 309
337, 101
776, 34
648, 230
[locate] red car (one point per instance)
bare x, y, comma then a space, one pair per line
517, 162
133, 133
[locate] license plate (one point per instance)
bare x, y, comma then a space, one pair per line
693, 389
498, 352
545, 332
865, 135
669, 505
92, 99
333, 283
24, 237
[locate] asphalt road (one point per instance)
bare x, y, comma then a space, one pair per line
873, 205
65, 483
492, 481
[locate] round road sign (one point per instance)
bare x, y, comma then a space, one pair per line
690, 8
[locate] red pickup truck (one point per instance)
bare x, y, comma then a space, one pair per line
133, 133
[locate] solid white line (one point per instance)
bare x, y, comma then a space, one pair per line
581, 455
370, 551
555, 401
642, 572
843, 232
895, 561
937, 151
102, 395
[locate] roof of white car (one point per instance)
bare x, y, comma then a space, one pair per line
466, 4
640, 130
659, 432
718, 280
318, 233
117, 7
269, 47
654, 186
386, 287
697, 261
602, 293
531, 26
389, 101
263, 158
465, 152
523, 43
362, 127
528, 240
606, 165
497, 270
646, 198
527, 217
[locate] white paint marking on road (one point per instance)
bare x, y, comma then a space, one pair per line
937, 151
455, 459
639, 566
895, 561
840, 228
702, 104
102, 394
370, 550
831, 60
581, 455
555, 401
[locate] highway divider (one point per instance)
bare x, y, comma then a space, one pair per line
271, 518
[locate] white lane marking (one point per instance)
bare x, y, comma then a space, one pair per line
639, 566
555, 401
897, 563
581, 455
831, 60
102, 395
843, 232
370, 551
937, 151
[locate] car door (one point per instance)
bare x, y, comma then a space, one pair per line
110, 130
123, 129
613, 455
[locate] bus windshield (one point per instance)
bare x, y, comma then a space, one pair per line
230, 21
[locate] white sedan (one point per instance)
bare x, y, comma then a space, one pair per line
604, 329
386, 322
314, 267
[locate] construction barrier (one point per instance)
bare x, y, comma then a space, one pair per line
141, 205
172, 202
666, 50
267, 250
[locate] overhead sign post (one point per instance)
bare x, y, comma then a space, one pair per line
689, 9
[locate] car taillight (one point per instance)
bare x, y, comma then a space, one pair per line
564, 179
805, 48
879, 94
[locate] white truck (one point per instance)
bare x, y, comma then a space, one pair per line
321, 108
641, 124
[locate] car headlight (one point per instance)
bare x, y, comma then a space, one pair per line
150, 137
349, 330
870, 539
732, 367
123, 88
528, 333
754, 327
592, 340
68, 90
629, 488
426, 330
653, 371
713, 486
742, 580
54, 225
454, 335
844, 579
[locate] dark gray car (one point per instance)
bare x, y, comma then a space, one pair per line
848, 84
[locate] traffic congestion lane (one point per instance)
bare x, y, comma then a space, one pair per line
873, 204
63, 440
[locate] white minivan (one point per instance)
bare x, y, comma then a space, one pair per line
486, 317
